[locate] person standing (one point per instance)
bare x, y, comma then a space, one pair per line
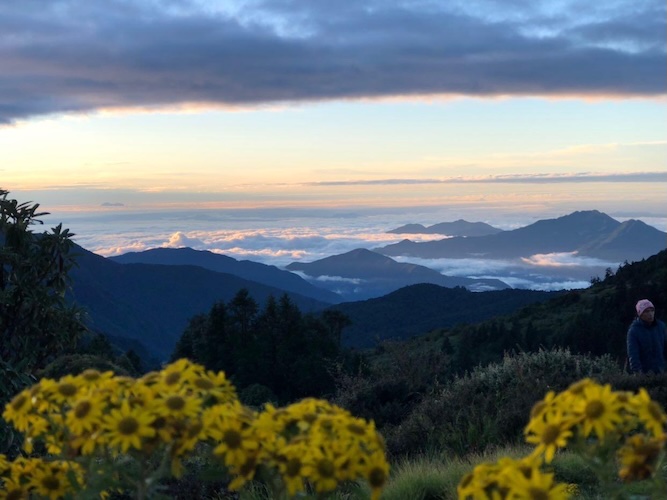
646, 340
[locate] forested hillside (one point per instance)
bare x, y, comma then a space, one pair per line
591, 321
476, 383
416, 309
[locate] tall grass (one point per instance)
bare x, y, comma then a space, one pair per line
435, 477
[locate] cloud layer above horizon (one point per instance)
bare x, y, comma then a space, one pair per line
67, 56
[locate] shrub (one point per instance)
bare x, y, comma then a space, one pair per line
74, 364
490, 405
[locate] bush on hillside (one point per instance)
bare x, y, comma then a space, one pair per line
490, 405
75, 364
388, 389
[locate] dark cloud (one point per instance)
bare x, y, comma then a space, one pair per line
72, 56
518, 179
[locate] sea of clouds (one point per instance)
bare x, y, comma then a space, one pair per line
281, 236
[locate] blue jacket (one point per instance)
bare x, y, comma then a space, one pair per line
646, 346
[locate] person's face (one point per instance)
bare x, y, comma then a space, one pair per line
648, 315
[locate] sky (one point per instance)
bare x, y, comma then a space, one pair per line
482, 108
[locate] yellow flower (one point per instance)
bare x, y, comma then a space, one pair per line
649, 413
290, 465
84, 416
243, 473
92, 378
140, 395
216, 385
13, 489
193, 433
179, 373
65, 390
638, 457
578, 387
322, 469
482, 480
237, 442
125, 427
17, 411
51, 480
86, 443
538, 486
377, 473
541, 408
214, 418
548, 435
177, 405
599, 410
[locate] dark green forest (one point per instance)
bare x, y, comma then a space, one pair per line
275, 354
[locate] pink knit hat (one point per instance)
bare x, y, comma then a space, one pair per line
642, 305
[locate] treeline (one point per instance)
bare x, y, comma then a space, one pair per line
275, 354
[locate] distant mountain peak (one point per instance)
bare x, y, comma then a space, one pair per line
261, 273
459, 227
589, 232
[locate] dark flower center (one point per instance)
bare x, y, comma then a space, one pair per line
293, 467
175, 403
51, 483
128, 426
82, 409
204, 384
594, 409
172, 378
18, 402
67, 389
550, 434
538, 494
377, 477
356, 429
91, 375
325, 467
232, 439
655, 411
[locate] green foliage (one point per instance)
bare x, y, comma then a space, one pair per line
570, 467
387, 386
74, 364
36, 322
424, 479
490, 405
277, 353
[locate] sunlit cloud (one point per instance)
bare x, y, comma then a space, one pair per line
324, 278
563, 259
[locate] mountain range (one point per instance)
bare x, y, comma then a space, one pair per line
361, 274
246, 269
150, 296
153, 303
588, 233
457, 228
